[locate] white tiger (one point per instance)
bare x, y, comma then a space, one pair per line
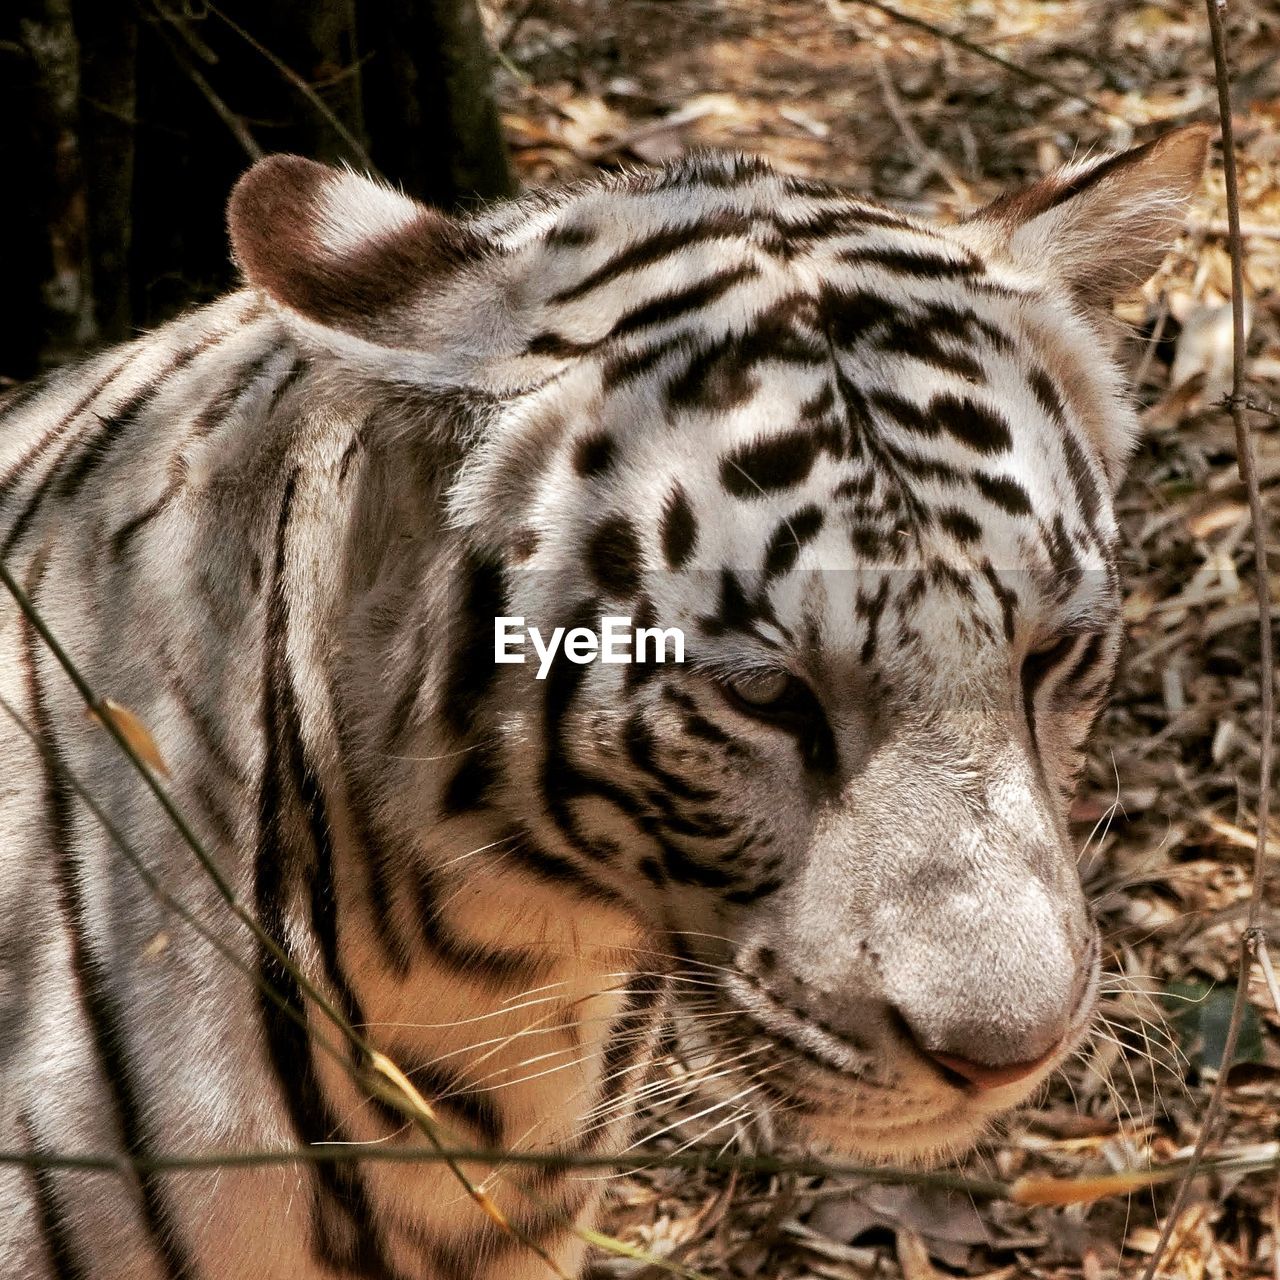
864, 463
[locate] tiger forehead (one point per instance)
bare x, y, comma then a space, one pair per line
928, 422
755, 373
616, 273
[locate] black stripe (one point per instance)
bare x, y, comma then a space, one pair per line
471, 669
55, 1230
37, 450
630, 365
1005, 493
642, 749
472, 783
910, 262
381, 857
792, 534
112, 429
870, 609
623, 1047
1084, 663
467, 957
684, 869
762, 466
555, 870
124, 535
208, 727
17, 394
1006, 597
653, 249
680, 302
1088, 494
614, 557
450, 1091
721, 374
593, 454
562, 781
344, 1234
824, 224
679, 528
68, 473
917, 338
1036, 669
225, 403
101, 1010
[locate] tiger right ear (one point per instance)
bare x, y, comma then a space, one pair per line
339, 249
1102, 227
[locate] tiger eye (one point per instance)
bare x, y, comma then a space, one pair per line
761, 688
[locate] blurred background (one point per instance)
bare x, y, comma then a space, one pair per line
127, 121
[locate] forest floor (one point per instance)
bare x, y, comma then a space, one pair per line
845, 91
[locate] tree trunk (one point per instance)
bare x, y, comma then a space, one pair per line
45, 314
429, 100
107, 34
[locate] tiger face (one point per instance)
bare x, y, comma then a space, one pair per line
864, 465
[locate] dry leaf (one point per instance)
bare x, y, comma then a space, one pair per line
1222, 515
1204, 349
913, 1257
133, 731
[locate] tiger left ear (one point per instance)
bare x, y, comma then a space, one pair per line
340, 250
1101, 227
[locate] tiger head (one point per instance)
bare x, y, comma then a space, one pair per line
864, 465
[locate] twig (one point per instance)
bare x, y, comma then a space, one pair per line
358, 152
1149, 350
927, 156
1254, 941
960, 42
983, 1188
504, 42
1258, 1158
166, 899
248, 143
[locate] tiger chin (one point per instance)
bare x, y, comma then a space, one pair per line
862, 464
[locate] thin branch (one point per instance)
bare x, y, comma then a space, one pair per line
1258, 1158
1254, 940
925, 154
358, 152
248, 143
961, 42
983, 1188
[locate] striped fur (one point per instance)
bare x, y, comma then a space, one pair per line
865, 463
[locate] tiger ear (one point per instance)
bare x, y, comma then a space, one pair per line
1102, 226
339, 249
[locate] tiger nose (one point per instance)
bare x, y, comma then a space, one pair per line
980, 1077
